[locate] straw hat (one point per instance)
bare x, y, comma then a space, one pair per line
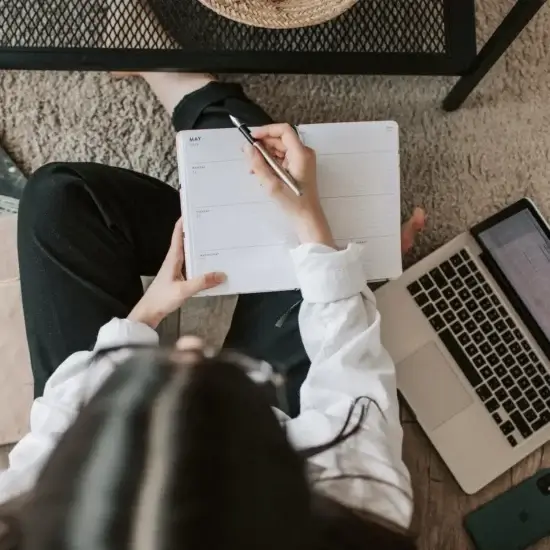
279, 14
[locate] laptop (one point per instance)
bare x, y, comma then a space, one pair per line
469, 330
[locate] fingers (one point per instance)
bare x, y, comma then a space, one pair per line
411, 227
260, 167
203, 282
285, 132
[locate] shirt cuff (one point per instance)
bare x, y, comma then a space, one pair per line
122, 332
327, 275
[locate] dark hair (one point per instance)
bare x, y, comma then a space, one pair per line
188, 455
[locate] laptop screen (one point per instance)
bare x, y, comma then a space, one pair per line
520, 248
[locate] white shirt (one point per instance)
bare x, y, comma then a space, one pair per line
340, 328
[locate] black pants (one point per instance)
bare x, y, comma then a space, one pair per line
87, 232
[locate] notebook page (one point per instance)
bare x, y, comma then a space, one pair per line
232, 226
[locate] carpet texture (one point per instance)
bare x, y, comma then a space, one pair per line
460, 166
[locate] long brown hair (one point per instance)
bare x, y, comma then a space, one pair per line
183, 454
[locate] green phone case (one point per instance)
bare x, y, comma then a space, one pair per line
514, 520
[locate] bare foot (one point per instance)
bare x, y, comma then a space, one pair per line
411, 228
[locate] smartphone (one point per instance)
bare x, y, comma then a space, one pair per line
514, 520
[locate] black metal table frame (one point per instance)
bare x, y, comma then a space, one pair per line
462, 61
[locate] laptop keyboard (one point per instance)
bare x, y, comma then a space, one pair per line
487, 345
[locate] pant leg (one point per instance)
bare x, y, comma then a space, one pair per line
86, 233
264, 325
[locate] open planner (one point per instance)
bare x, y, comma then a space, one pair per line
232, 226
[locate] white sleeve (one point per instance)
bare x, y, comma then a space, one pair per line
72, 384
340, 328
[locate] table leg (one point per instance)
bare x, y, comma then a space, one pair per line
514, 22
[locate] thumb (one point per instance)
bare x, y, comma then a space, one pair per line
176, 244
203, 282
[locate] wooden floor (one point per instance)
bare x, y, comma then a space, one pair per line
440, 503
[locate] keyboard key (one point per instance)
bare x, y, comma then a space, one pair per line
500, 326
478, 293
512, 440
448, 270
530, 370
485, 304
483, 392
520, 424
455, 303
494, 338
530, 415
477, 337
421, 299
486, 372
516, 372
493, 359
442, 306
428, 310
522, 404
525, 345
508, 360
471, 305
508, 381
514, 348
533, 356
463, 271
515, 393
487, 288
510, 322
463, 338
540, 368
492, 315
497, 418
531, 394
434, 294
463, 315
480, 278
500, 371
508, 405
492, 405
501, 350
470, 326
507, 337
545, 392
538, 405
518, 335
523, 383
537, 381
479, 361
486, 327
457, 283
438, 278
470, 281
507, 428
464, 295
494, 383
470, 349
456, 260
465, 255
495, 300
461, 359
437, 323
479, 316
501, 394
426, 282
456, 327
449, 316
547, 379
449, 293
485, 348
414, 288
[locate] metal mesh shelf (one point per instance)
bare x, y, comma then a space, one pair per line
375, 36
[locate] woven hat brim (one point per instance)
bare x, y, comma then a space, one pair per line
279, 14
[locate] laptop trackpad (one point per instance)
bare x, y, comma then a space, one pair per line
431, 388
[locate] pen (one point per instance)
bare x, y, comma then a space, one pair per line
275, 166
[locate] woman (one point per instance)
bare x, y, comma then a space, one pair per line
182, 448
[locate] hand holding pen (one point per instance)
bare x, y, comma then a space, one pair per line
299, 162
